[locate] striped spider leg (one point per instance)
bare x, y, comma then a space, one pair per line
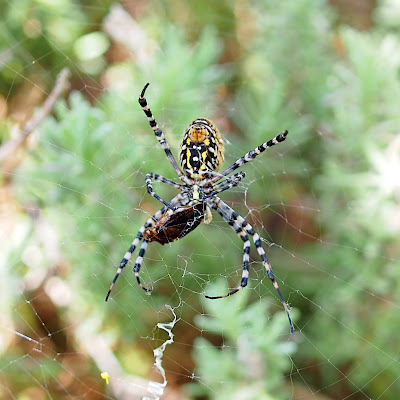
151, 176
139, 237
242, 228
226, 184
159, 134
251, 155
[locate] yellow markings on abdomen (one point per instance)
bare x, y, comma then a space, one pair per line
188, 154
201, 139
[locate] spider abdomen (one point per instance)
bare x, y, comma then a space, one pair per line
175, 226
202, 149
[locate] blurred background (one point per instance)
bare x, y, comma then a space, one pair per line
74, 151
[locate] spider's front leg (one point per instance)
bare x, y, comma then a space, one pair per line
246, 251
149, 223
133, 246
138, 264
239, 224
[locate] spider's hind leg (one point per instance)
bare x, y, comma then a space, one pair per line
251, 155
158, 132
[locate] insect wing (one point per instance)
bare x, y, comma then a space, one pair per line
177, 225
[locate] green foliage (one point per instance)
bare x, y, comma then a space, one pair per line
254, 354
186, 89
38, 36
362, 170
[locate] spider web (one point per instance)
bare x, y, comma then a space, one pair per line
72, 206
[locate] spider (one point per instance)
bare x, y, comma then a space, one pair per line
201, 156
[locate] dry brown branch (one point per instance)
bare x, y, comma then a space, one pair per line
9, 147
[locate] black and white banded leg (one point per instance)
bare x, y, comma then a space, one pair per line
149, 223
138, 264
251, 155
246, 252
227, 184
128, 254
150, 177
232, 215
183, 200
158, 132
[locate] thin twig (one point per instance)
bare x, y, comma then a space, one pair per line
124, 30
10, 146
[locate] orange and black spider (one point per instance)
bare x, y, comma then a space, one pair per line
201, 156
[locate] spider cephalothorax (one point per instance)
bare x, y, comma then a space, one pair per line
201, 155
202, 149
